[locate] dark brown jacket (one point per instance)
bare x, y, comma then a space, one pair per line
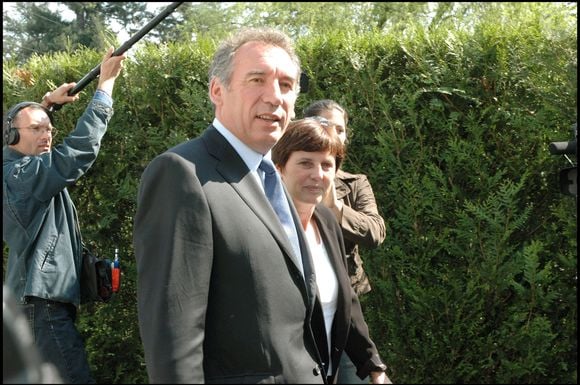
361, 224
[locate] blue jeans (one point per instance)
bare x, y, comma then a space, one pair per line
347, 372
57, 339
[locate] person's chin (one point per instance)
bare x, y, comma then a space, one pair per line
276, 135
271, 138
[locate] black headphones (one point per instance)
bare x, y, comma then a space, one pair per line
11, 135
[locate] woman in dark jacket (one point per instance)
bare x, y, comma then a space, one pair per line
353, 203
307, 156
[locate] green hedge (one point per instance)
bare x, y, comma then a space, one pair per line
476, 281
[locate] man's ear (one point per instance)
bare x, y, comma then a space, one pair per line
215, 91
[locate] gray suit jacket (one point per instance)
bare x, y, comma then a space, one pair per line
220, 299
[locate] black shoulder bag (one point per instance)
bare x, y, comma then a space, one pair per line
96, 278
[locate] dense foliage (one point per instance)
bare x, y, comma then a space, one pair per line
476, 281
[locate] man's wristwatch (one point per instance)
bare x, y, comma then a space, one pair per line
45, 101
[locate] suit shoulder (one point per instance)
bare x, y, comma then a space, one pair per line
194, 149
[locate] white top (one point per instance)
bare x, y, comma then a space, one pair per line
326, 282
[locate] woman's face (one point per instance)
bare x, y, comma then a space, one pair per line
308, 176
336, 121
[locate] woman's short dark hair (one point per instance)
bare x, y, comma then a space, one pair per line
310, 135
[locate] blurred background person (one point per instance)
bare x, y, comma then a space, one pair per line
21, 362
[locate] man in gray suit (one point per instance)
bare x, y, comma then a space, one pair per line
222, 296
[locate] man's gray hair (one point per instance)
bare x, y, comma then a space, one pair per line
223, 59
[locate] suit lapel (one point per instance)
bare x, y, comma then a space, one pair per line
234, 171
343, 315
307, 264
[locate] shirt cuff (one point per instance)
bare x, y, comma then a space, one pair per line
104, 98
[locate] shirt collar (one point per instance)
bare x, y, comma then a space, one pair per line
250, 157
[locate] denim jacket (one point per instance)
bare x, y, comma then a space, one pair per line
40, 221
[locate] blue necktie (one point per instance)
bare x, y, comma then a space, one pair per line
277, 198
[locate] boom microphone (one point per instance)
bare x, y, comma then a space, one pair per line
81, 84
